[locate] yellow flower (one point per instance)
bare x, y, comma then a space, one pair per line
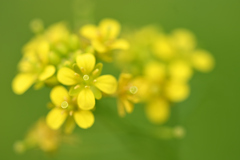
163, 48
181, 46
66, 109
104, 38
183, 40
41, 136
180, 70
134, 59
34, 67
158, 110
57, 33
202, 60
86, 82
129, 92
43, 54
155, 71
176, 91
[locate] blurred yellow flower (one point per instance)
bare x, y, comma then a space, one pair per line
66, 109
181, 46
158, 111
34, 67
155, 71
176, 91
202, 60
86, 82
163, 49
40, 136
43, 54
129, 92
104, 38
180, 70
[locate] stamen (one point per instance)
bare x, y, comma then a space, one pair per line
87, 86
133, 89
71, 113
94, 81
82, 69
76, 74
64, 104
76, 87
95, 71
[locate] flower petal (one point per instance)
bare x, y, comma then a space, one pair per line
107, 84
43, 49
67, 76
23, 82
120, 44
86, 62
128, 105
109, 28
158, 111
56, 117
47, 72
89, 31
58, 95
86, 99
84, 119
121, 109
99, 47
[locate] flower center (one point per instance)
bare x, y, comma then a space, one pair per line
133, 89
85, 77
64, 104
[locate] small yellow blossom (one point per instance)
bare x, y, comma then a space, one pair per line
34, 67
85, 81
46, 52
183, 40
158, 111
66, 109
177, 91
129, 92
40, 136
181, 46
180, 70
163, 48
202, 60
155, 71
104, 38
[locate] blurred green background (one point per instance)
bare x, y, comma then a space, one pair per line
210, 115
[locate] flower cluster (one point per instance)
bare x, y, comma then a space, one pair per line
155, 70
161, 66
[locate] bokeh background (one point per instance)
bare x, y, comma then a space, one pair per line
210, 115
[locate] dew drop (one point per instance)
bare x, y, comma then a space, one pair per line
133, 89
64, 104
85, 77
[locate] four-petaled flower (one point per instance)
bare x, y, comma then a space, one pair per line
66, 109
104, 38
85, 82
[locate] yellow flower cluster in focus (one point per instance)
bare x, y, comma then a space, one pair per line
155, 69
